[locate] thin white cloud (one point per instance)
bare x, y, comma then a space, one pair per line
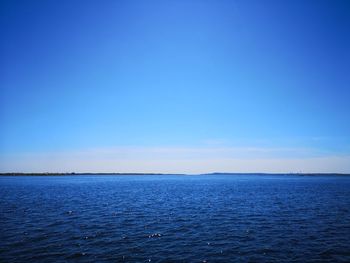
177, 160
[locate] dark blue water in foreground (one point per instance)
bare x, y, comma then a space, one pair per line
220, 218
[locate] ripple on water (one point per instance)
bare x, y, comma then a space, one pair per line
175, 219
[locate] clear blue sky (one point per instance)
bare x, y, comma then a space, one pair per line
201, 76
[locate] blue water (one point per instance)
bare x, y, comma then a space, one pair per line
214, 218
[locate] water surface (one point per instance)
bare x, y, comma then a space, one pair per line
164, 218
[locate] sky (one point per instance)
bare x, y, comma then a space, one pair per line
175, 86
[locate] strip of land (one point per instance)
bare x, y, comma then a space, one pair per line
76, 174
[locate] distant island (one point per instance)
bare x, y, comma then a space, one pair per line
73, 173
215, 173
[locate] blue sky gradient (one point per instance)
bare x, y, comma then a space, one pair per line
264, 80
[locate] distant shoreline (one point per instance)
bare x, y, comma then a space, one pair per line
111, 174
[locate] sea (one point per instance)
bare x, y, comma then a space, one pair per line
175, 218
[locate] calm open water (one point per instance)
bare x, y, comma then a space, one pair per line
214, 218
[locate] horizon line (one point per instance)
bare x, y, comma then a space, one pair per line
148, 173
